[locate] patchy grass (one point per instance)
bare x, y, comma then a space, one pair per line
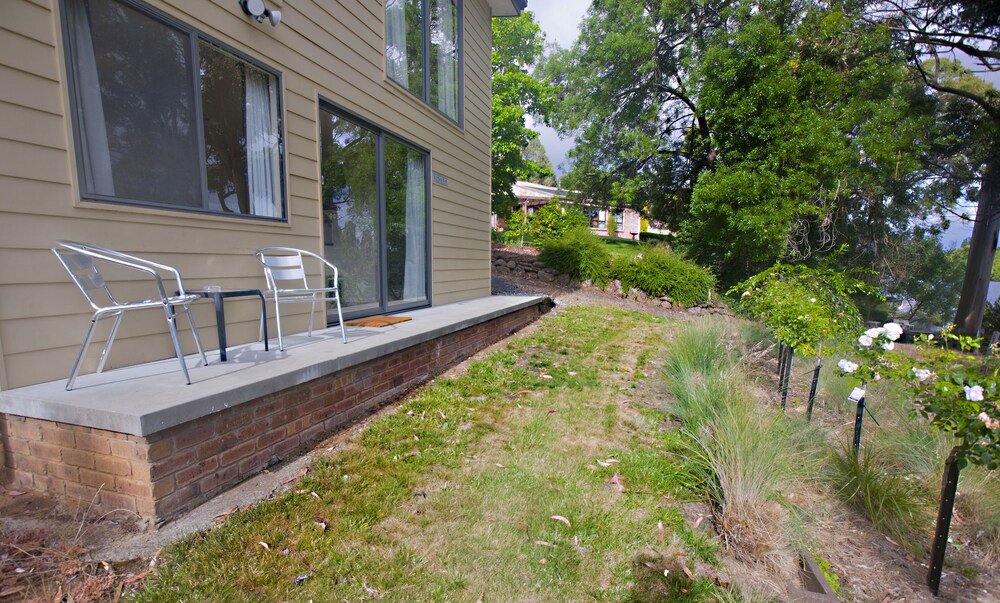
458, 494
619, 246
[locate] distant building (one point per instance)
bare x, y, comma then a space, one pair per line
531, 196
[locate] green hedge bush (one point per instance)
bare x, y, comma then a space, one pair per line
578, 253
583, 255
659, 272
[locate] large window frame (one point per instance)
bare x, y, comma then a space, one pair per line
382, 135
196, 39
424, 94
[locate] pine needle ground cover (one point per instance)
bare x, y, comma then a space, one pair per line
536, 474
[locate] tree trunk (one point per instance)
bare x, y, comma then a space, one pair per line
982, 248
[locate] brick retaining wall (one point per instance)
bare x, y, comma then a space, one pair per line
163, 474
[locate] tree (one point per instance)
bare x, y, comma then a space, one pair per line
517, 45
542, 171
926, 279
933, 29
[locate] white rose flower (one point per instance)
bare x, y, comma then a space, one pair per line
974, 393
893, 331
847, 366
921, 374
875, 332
888, 346
865, 340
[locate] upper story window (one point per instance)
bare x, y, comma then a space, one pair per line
422, 50
166, 117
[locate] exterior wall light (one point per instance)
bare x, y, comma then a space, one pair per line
257, 10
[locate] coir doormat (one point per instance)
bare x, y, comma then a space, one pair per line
377, 321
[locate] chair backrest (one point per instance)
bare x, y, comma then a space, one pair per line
84, 272
283, 265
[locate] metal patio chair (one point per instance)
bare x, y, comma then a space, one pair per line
82, 261
285, 271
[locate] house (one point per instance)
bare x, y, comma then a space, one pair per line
531, 196
193, 133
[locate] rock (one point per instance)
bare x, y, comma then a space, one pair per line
564, 279
696, 310
512, 265
586, 283
500, 262
501, 270
666, 304
546, 277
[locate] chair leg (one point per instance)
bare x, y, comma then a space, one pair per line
312, 313
111, 340
277, 319
340, 317
194, 331
172, 324
80, 354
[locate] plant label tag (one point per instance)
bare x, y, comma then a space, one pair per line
856, 395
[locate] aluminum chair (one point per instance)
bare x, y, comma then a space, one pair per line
82, 261
287, 265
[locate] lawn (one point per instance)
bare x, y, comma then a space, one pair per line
617, 246
539, 473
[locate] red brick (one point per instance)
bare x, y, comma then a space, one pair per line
312, 433
172, 464
81, 492
234, 418
62, 471
138, 489
271, 437
58, 437
219, 478
159, 450
145, 508
112, 501
112, 465
23, 429
266, 408
284, 447
163, 487
79, 458
176, 501
93, 443
196, 472
141, 470
17, 445
233, 455
30, 464
95, 479
128, 449
20, 480
48, 483
193, 436
45, 451
251, 431
215, 446
256, 462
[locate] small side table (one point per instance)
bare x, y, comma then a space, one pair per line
220, 311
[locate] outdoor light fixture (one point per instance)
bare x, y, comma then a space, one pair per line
257, 10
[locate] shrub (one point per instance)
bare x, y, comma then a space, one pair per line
660, 272
578, 253
549, 221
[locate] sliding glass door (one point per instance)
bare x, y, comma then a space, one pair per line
374, 192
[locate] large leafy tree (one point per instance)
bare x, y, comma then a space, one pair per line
517, 44
931, 31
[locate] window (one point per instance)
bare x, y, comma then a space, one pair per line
165, 117
422, 50
599, 219
375, 215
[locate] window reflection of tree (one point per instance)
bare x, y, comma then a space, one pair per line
350, 208
223, 99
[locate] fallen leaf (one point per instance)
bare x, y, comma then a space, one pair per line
617, 481
321, 525
545, 376
265, 545
301, 492
698, 521
627, 369
12, 591
316, 496
302, 472
520, 393
681, 554
442, 415
284, 551
592, 467
687, 572
887, 598
572, 373
552, 411
415, 437
499, 465
602, 463
543, 543
410, 412
301, 579
543, 561
611, 461
562, 519
649, 564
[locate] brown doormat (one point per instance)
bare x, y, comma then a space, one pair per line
377, 321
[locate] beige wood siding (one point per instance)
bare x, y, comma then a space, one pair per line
322, 49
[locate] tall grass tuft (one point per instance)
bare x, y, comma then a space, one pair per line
892, 499
698, 370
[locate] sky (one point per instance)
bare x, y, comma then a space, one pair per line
560, 21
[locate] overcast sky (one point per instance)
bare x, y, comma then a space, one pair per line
560, 20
